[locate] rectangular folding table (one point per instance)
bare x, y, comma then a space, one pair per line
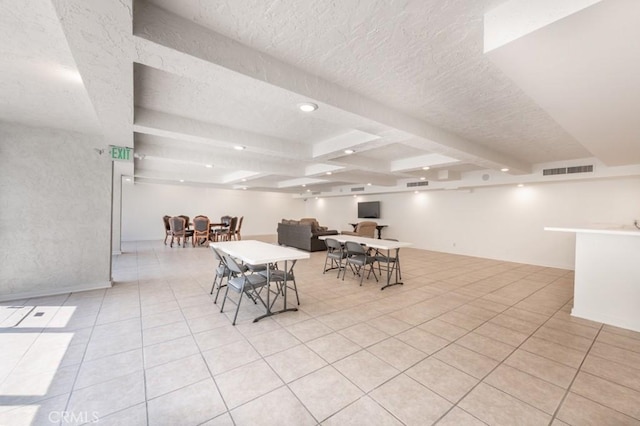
260, 253
387, 245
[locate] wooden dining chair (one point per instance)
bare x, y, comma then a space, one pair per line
226, 234
167, 228
236, 234
201, 230
179, 230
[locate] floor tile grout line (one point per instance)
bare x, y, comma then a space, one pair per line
315, 318
144, 370
578, 370
82, 359
493, 369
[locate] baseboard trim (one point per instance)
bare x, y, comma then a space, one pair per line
55, 291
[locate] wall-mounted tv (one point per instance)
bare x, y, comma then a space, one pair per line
369, 210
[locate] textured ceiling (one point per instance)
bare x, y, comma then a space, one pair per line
404, 84
39, 82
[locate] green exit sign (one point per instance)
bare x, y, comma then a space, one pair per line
121, 153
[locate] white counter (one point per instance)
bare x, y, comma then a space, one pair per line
607, 274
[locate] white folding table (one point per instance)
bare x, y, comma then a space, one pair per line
261, 253
387, 245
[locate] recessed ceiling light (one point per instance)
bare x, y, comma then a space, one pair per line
307, 107
244, 180
423, 178
316, 198
426, 168
520, 185
369, 184
504, 169
308, 190
349, 151
181, 180
208, 166
244, 188
328, 173
415, 192
239, 148
304, 184
128, 179
354, 196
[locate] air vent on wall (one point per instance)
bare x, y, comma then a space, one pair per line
558, 171
359, 188
315, 193
414, 184
567, 170
580, 169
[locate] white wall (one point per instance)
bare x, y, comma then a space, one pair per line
143, 206
495, 222
55, 212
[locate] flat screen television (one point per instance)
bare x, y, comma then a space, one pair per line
369, 210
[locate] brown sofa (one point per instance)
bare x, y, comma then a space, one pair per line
303, 234
363, 229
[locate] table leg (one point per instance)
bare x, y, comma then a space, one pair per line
389, 270
284, 294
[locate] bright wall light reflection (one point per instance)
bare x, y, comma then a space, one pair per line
525, 194
420, 198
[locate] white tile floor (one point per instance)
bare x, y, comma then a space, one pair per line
464, 341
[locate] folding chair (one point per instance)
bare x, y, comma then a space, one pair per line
242, 283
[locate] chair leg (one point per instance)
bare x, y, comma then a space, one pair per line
215, 279
295, 288
220, 285
237, 309
325, 264
224, 299
171, 245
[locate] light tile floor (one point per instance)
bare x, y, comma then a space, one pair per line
465, 341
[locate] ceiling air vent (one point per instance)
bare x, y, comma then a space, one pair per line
315, 193
580, 169
359, 188
558, 171
414, 184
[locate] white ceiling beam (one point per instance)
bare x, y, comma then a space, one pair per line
170, 38
99, 36
299, 182
417, 162
171, 149
321, 168
516, 18
171, 126
360, 178
353, 139
593, 92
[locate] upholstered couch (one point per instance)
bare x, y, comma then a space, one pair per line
303, 234
363, 229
